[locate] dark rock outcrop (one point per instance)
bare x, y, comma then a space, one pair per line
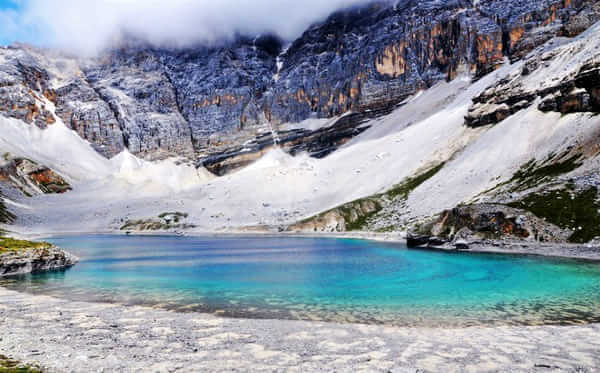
417, 240
31, 178
6, 217
317, 143
576, 91
490, 221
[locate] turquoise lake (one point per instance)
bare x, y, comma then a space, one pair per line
325, 279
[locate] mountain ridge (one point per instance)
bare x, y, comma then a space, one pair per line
495, 96
207, 101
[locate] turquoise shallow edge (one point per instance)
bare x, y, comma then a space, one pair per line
312, 278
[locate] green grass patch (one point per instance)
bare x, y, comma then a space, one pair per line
357, 213
568, 209
388, 229
145, 225
6, 217
8, 244
12, 366
530, 174
404, 189
153, 225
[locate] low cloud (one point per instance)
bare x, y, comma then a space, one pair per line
90, 26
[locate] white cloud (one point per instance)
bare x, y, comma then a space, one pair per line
91, 25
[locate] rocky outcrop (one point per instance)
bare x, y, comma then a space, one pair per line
31, 178
317, 143
218, 105
546, 80
144, 103
469, 223
37, 260
22, 85
6, 217
168, 221
577, 93
348, 217
83, 110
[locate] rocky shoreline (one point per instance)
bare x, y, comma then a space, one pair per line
35, 260
498, 246
62, 335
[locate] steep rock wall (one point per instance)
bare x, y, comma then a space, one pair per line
204, 102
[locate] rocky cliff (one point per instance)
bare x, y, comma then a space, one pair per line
31, 178
22, 257
223, 106
6, 217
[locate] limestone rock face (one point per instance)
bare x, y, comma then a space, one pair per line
576, 88
492, 221
31, 178
223, 105
35, 260
6, 217
84, 111
23, 83
220, 90
350, 216
144, 104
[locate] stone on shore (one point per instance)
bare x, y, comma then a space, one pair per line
39, 257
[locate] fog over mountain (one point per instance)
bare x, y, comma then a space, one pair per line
89, 26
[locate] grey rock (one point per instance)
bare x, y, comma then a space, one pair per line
218, 105
461, 245
6, 217
476, 222
83, 110
35, 260
31, 178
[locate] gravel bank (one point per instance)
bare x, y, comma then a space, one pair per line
63, 336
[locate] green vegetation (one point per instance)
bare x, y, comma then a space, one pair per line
6, 217
568, 209
12, 366
8, 244
356, 214
356, 217
145, 225
531, 174
404, 189
388, 229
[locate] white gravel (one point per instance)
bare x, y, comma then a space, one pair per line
66, 336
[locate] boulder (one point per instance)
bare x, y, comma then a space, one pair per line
35, 260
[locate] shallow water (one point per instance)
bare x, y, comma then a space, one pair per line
323, 279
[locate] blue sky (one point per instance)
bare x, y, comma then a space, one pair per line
8, 4
11, 26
